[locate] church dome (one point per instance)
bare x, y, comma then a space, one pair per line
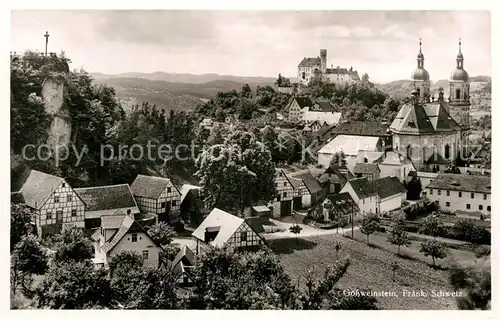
459, 74
420, 74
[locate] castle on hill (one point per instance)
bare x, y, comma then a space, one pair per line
314, 68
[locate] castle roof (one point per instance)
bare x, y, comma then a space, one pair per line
310, 62
424, 119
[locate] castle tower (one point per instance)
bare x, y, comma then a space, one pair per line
459, 101
420, 78
322, 56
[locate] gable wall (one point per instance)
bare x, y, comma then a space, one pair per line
253, 239
144, 243
51, 207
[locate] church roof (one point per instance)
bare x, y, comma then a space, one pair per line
424, 119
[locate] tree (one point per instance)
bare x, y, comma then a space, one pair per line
27, 258
369, 225
394, 267
338, 247
338, 159
20, 223
434, 249
162, 233
476, 283
398, 236
431, 225
236, 174
246, 91
295, 229
74, 285
74, 247
125, 261
339, 219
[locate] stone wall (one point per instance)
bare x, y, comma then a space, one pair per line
53, 98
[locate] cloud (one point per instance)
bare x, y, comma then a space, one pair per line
362, 32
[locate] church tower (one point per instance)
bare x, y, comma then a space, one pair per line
420, 78
459, 99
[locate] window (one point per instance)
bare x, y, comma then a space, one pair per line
459, 194
488, 208
169, 189
431, 191
73, 212
280, 174
49, 215
243, 236
471, 195
145, 255
63, 185
467, 206
163, 204
363, 201
439, 192
303, 75
447, 151
174, 202
457, 94
447, 204
69, 197
480, 207
447, 193
56, 199
284, 183
485, 197
284, 194
276, 184
134, 237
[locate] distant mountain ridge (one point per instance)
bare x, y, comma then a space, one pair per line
187, 78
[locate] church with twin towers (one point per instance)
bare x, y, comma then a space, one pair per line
434, 131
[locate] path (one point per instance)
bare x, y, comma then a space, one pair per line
305, 232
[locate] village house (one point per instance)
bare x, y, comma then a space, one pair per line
368, 170
391, 193
350, 146
340, 203
182, 266
190, 203
307, 190
463, 195
295, 107
55, 204
334, 178
314, 126
120, 232
282, 204
223, 229
324, 118
395, 164
363, 193
323, 106
106, 200
157, 195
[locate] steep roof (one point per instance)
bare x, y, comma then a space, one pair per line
360, 128
128, 225
347, 206
325, 105
309, 181
366, 168
362, 187
424, 119
186, 188
112, 221
310, 62
387, 186
184, 252
256, 223
461, 182
436, 158
227, 224
350, 144
106, 197
149, 186
303, 101
337, 71
39, 187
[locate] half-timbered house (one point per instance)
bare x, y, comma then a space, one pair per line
54, 202
307, 190
156, 195
223, 229
120, 232
282, 204
106, 200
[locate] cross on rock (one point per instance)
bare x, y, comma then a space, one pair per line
46, 35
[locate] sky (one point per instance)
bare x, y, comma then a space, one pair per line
383, 44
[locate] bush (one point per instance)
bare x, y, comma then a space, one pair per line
381, 229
